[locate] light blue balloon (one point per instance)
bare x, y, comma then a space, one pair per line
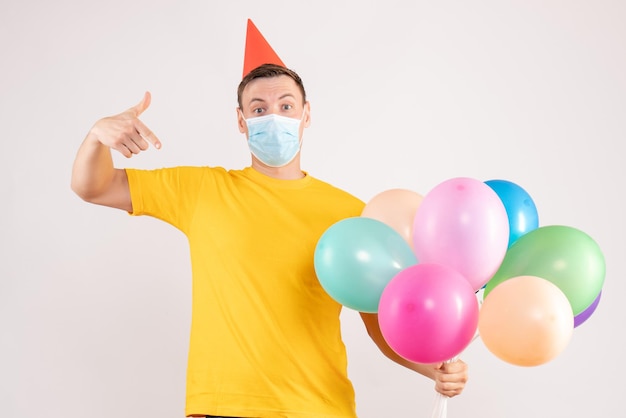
520, 208
355, 259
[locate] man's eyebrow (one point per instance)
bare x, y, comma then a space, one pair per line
256, 99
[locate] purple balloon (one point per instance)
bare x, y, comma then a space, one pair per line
584, 315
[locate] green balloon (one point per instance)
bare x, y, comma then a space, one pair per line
565, 256
355, 259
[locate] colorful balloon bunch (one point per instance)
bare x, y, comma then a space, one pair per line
419, 261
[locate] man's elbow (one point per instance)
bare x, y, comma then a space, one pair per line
82, 191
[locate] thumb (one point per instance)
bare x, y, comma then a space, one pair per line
140, 107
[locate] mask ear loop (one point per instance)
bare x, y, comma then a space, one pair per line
244, 119
301, 135
302, 121
303, 114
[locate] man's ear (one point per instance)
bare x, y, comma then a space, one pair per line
307, 114
241, 122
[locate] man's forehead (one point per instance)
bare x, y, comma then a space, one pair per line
277, 86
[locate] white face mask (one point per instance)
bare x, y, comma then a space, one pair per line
274, 139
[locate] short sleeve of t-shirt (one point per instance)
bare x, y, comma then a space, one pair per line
169, 194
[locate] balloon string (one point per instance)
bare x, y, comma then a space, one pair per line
440, 406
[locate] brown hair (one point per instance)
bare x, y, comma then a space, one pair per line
269, 70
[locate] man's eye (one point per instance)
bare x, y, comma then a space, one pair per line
287, 107
258, 110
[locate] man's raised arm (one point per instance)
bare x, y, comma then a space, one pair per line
94, 178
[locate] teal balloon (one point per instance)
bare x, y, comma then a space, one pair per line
563, 255
355, 259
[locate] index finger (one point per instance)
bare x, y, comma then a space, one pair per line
147, 134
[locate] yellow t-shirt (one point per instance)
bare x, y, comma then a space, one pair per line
265, 336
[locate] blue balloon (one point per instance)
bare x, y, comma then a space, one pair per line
520, 208
355, 259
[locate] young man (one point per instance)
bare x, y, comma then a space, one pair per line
265, 336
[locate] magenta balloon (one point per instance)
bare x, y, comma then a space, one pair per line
428, 313
462, 223
584, 315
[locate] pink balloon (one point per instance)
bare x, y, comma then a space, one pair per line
396, 208
462, 223
428, 313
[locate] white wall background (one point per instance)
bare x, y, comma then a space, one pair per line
94, 304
